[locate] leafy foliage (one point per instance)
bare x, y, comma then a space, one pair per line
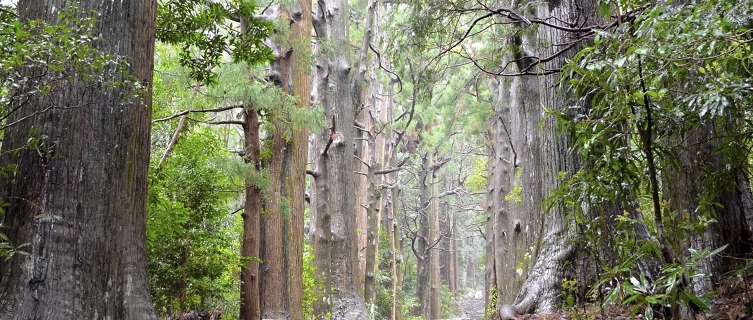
192, 237
310, 283
206, 30
669, 291
60, 53
670, 52
642, 90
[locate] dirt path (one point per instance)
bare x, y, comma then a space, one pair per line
473, 307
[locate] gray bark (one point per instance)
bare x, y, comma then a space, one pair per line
335, 235
529, 245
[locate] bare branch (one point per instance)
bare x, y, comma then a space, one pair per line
173, 140
242, 123
361, 160
386, 171
315, 174
235, 105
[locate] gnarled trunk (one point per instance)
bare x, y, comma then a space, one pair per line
529, 245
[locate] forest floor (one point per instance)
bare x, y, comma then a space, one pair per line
733, 301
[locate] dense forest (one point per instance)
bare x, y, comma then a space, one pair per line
375, 159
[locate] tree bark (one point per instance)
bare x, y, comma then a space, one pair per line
682, 188
435, 285
423, 242
250, 308
531, 246
301, 30
80, 202
335, 246
272, 285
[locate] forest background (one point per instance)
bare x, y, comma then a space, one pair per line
347, 160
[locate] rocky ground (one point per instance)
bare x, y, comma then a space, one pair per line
473, 307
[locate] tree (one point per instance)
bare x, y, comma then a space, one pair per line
668, 113
206, 30
284, 210
338, 88
78, 197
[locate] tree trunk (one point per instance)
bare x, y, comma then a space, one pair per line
423, 277
525, 144
373, 202
282, 221
389, 192
272, 285
428, 241
398, 266
361, 193
435, 285
335, 244
250, 308
299, 144
682, 189
493, 199
80, 201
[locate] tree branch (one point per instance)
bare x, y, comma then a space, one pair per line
313, 173
242, 123
235, 105
386, 171
173, 140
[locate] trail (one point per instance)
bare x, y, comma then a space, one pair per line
472, 307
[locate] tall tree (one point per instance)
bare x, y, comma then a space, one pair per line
302, 68
527, 140
79, 199
338, 88
688, 141
282, 220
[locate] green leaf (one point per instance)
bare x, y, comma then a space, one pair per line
689, 297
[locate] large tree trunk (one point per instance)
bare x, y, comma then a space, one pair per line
272, 286
682, 188
87, 258
523, 142
282, 221
335, 244
299, 144
428, 241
